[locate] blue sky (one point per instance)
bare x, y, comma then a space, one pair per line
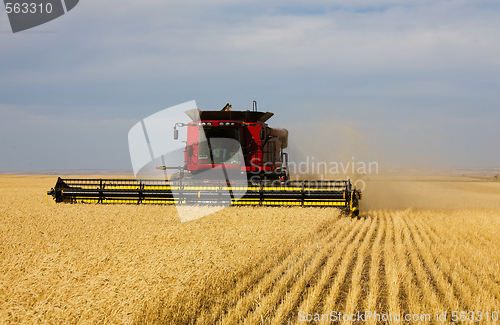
405, 83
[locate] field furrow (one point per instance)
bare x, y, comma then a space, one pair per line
412, 295
280, 276
392, 279
267, 305
374, 271
267, 268
430, 302
313, 300
464, 280
293, 297
355, 286
443, 288
333, 292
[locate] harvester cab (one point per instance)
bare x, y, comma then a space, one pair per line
215, 137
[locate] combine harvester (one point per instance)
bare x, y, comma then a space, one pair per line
238, 144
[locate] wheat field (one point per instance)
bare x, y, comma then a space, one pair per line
128, 264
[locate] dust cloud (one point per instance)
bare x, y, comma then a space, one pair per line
431, 192
393, 184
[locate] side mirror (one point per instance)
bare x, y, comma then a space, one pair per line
176, 134
262, 135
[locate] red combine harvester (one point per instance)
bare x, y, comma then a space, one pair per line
240, 146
